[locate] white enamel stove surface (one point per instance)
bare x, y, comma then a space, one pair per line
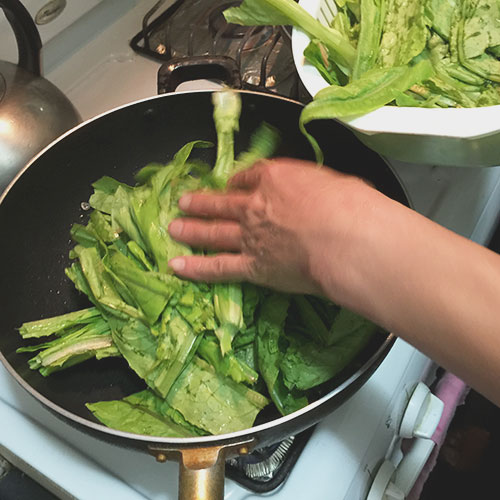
92, 63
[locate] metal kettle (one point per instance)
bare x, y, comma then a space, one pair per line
33, 111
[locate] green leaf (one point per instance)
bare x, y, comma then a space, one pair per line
477, 29
481, 27
121, 215
288, 12
404, 33
228, 365
138, 414
58, 324
251, 298
83, 236
102, 227
347, 323
317, 55
100, 283
227, 108
213, 402
150, 290
263, 144
270, 330
175, 350
104, 191
306, 365
440, 15
137, 345
312, 322
368, 48
374, 89
81, 343
148, 399
195, 305
228, 307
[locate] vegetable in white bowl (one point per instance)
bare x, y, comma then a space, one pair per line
446, 113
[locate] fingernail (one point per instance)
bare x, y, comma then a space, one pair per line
185, 201
175, 228
177, 264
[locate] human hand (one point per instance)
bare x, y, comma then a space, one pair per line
280, 224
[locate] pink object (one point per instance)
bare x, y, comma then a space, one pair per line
452, 392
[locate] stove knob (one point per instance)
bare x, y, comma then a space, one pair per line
395, 483
422, 414
382, 487
412, 464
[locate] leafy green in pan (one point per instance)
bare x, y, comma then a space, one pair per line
211, 356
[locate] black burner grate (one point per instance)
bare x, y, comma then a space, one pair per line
194, 29
265, 469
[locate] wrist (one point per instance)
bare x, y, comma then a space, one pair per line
341, 255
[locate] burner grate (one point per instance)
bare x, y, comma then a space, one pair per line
197, 29
265, 469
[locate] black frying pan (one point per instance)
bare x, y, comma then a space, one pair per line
39, 207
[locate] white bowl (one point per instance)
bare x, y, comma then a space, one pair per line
449, 136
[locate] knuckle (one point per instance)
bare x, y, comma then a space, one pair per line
256, 205
218, 266
215, 232
266, 171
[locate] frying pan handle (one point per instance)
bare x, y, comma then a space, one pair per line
29, 43
184, 69
201, 474
201, 470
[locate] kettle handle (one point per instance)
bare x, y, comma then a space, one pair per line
29, 43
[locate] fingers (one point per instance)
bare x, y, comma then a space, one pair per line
247, 179
214, 205
221, 267
219, 235
250, 178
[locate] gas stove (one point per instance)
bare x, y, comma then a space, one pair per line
112, 53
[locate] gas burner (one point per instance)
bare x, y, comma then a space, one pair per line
197, 29
265, 469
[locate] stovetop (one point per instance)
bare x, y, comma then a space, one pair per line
100, 71
193, 35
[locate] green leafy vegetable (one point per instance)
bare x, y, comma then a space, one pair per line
270, 328
287, 12
227, 364
142, 413
213, 402
211, 355
431, 53
370, 32
58, 324
306, 365
228, 305
375, 88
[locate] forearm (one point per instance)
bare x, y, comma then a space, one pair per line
437, 290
